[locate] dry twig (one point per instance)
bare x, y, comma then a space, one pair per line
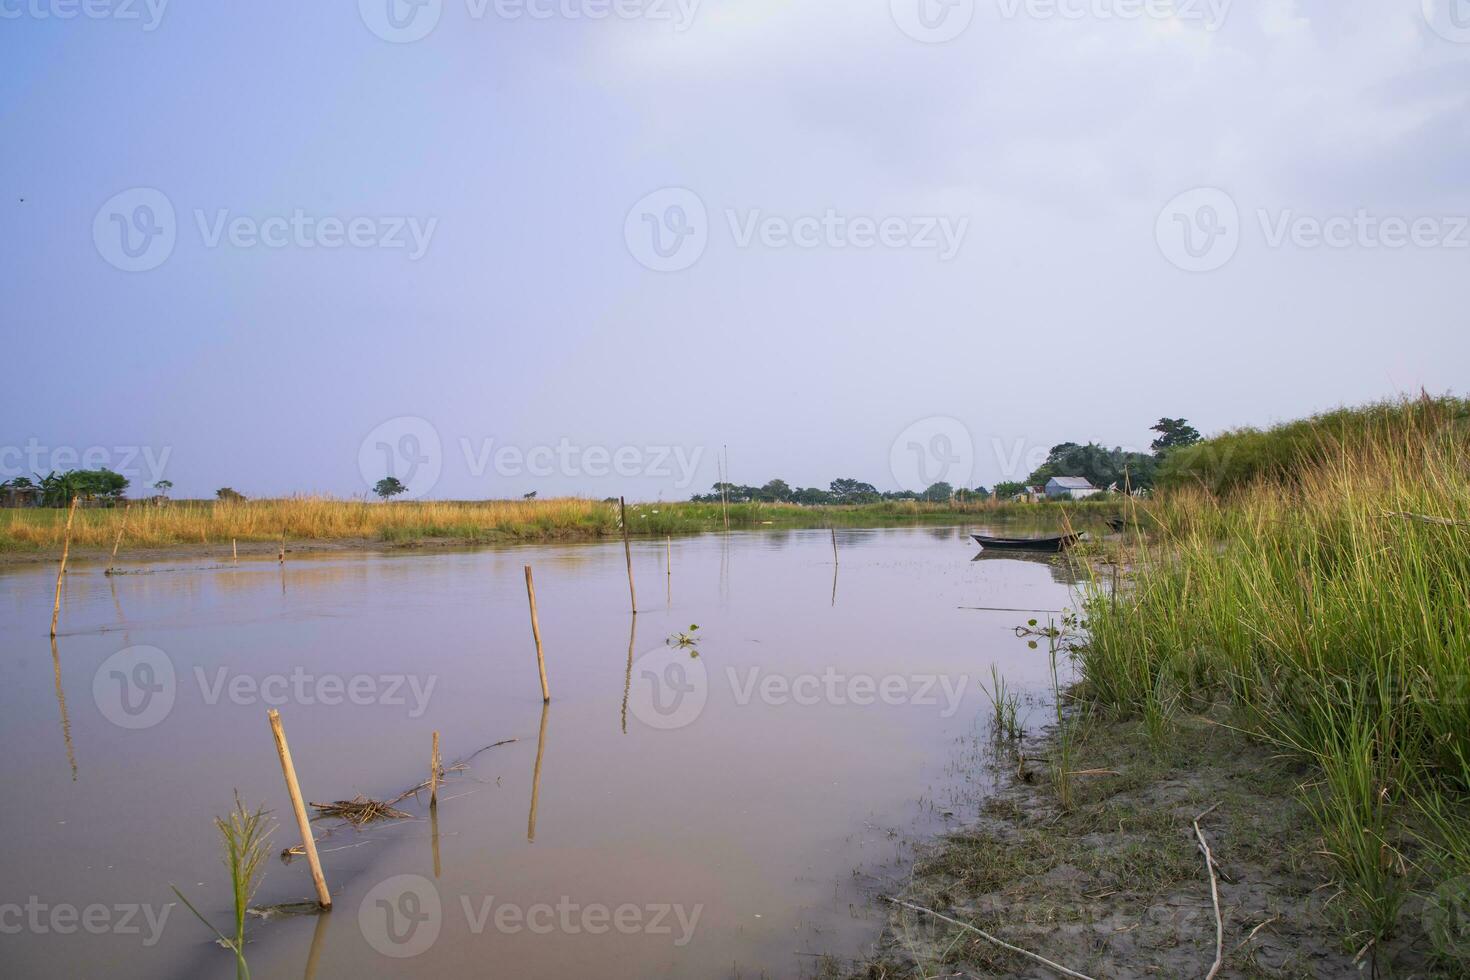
999, 942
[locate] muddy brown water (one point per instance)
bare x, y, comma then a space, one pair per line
730, 813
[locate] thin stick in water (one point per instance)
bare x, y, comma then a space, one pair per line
123, 527
834, 545
628, 553
303, 823
434, 774
61, 572
536, 634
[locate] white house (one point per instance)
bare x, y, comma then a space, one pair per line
1070, 487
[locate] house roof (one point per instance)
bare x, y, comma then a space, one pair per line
1072, 482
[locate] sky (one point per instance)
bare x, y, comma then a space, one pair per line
591, 247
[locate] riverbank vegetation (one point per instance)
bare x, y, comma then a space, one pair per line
185, 523
1285, 672
1316, 578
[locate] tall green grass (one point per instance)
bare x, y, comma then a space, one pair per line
1316, 599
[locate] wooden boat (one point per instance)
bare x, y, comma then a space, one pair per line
1059, 543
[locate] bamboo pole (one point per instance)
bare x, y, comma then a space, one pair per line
303, 823
628, 554
113, 561
283, 547
434, 774
536, 633
725, 488
61, 572
834, 545
669, 554
234, 551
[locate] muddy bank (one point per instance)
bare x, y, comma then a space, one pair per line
1117, 886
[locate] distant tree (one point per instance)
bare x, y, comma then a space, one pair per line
939, 493
229, 495
811, 496
163, 487
1102, 467
1006, 489
388, 487
57, 490
849, 491
1173, 433
966, 496
777, 491
528, 496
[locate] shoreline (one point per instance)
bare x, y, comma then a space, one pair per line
1117, 885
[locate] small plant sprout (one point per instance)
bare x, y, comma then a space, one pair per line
686, 640
245, 837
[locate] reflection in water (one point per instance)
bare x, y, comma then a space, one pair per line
628, 677
536, 775
434, 837
314, 955
61, 703
1064, 571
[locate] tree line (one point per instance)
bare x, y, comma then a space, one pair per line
1102, 467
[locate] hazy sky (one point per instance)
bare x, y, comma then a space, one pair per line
287, 246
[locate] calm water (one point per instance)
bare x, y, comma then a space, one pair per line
691, 816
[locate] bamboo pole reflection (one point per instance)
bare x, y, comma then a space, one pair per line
71, 756
628, 677
434, 838
314, 955
536, 775
834, 584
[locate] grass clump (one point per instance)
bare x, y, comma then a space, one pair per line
245, 838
